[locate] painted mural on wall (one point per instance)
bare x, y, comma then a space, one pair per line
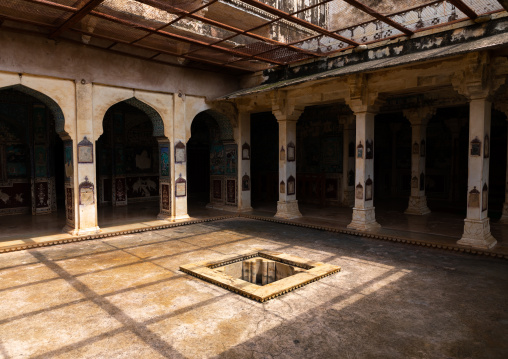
164, 161
217, 155
27, 161
68, 166
231, 158
17, 159
142, 187
129, 158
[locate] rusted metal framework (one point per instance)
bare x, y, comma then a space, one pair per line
247, 35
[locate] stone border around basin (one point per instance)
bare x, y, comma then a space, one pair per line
206, 270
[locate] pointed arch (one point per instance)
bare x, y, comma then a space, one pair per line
46, 100
152, 113
223, 122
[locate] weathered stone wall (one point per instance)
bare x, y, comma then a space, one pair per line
35, 55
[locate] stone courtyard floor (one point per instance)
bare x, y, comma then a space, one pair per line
124, 297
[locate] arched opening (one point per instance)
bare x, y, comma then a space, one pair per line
212, 163
128, 164
32, 170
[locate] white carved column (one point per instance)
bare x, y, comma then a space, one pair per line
86, 186
477, 85
178, 160
365, 106
477, 223
348, 163
287, 115
242, 137
364, 217
419, 117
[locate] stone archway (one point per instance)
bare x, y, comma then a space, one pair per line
37, 165
133, 157
212, 143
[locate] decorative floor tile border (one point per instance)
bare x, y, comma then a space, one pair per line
386, 237
313, 271
112, 234
400, 239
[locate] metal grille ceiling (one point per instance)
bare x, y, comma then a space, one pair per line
246, 35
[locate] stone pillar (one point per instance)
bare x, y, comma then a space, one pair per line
244, 155
477, 223
364, 217
419, 117
348, 160
287, 116
178, 161
477, 83
86, 186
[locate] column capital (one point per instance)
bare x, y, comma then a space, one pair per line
361, 99
419, 115
347, 120
476, 80
285, 108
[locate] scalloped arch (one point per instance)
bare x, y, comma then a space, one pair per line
48, 101
155, 117
226, 129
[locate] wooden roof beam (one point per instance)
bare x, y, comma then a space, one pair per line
76, 17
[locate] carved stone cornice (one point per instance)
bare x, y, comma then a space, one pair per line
419, 115
361, 99
476, 80
285, 108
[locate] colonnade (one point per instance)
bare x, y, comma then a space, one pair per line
84, 105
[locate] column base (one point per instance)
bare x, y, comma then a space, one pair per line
477, 234
417, 206
164, 217
81, 232
364, 219
504, 216
181, 217
287, 210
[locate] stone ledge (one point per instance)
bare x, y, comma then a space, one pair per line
313, 271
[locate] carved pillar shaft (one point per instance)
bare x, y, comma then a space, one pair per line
419, 119
477, 224
86, 189
287, 206
363, 212
244, 155
178, 161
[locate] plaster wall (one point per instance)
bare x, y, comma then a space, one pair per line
24, 53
